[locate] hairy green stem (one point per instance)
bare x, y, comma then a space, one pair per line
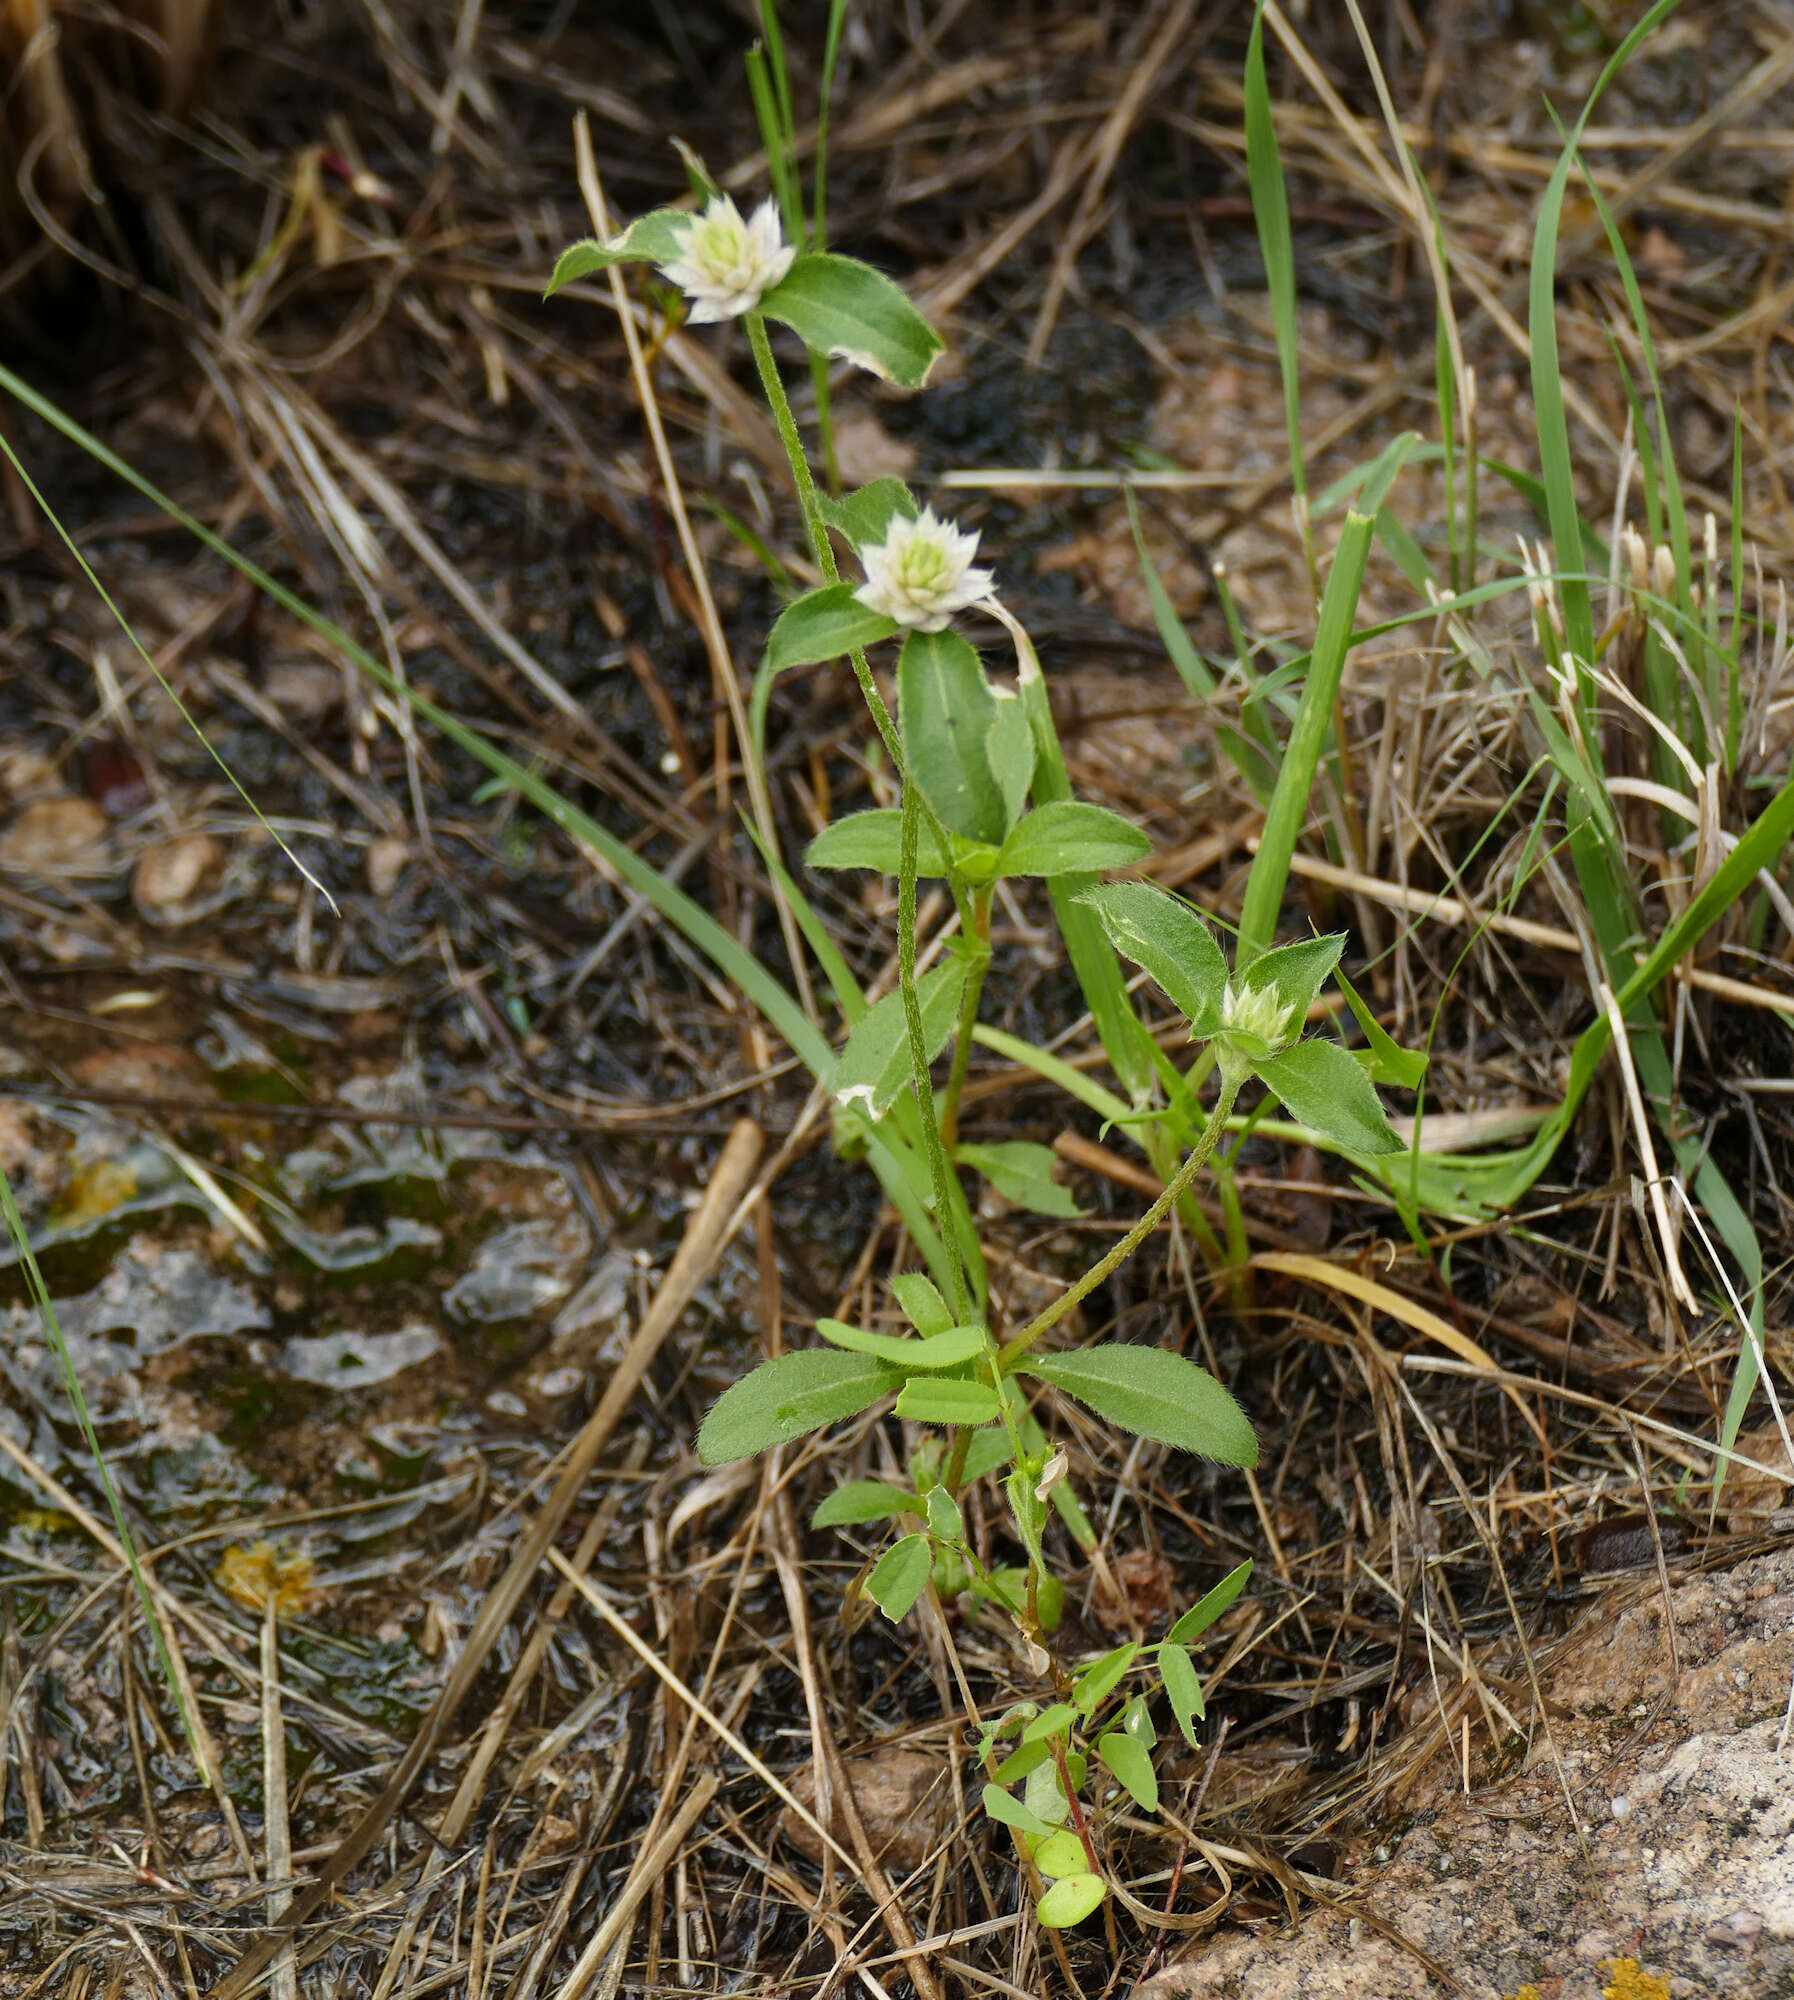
1232, 1076
968, 1018
915, 805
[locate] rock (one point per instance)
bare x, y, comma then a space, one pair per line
63, 836
174, 876
904, 1799
385, 864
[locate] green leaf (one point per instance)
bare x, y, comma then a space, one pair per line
1149, 925
837, 305
922, 1303
1021, 1172
1405, 1068
946, 1400
874, 1066
1070, 1900
824, 624
1050, 1722
989, 1450
873, 840
783, 1399
1207, 1608
1182, 1689
1325, 1088
1155, 1394
1009, 1587
939, 1350
1096, 1683
900, 1575
1131, 1763
1023, 1763
1136, 1719
945, 708
1061, 1854
655, 238
1295, 973
1009, 751
864, 1500
865, 517
1192, 668
1007, 1808
1067, 837
944, 1522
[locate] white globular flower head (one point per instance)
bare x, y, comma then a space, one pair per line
921, 573
1255, 1018
727, 263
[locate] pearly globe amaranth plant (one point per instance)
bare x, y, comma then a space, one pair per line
922, 573
726, 264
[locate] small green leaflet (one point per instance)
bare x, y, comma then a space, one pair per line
656, 238
1050, 1722
939, 1350
865, 517
824, 624
864, 1500
1096, 1683
1009, 751
1155, 1394
1009, 1810
1068, 837
945, 707
1182, 1689
1127, 1758
1203, 1613
899, 1576
1061, 1854
933, 1399
944, 1522
875, 1065
874, 839
837, 305
1404, 1068
783, 1399
1149, 925
1325, 1088
921, 1301
1070, 1900
1021, 1172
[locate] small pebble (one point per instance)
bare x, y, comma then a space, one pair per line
170, 875
386, 863
1621, 1807
53, 836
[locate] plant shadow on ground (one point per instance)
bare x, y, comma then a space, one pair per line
363, 1332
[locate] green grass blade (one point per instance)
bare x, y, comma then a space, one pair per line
1270, 210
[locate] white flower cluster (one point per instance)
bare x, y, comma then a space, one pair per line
727, 264
921, 573
1255, 1013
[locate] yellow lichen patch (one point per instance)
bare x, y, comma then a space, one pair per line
262, 1575
1628, 1980
1527, 1992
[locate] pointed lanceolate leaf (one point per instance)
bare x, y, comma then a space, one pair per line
1070, 1900
824, 624
1325, 1088
873, 839
656, 238
875, 1064
837, 305
1009, 1810
1203, 1613
1404, 1068
1155, 1394
921, 1301
1182, 1689
1021, 1172
1149, 925
1295, 973
899, 1576
940, 1350
1096, 1683
1009, 751
864, 1500
865, 516
935, 1399
1067, 837
1131, 1762
945, 707
783, 1399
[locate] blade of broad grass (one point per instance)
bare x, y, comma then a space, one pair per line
1547, 380
1129, 1047
1192, 668
1270, 211
71, 1382
8, 380
730, 958
1288, 810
